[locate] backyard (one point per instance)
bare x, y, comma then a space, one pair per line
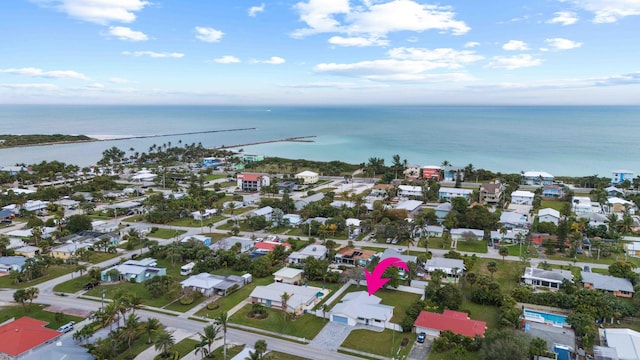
384, 343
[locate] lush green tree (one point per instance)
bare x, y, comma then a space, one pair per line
623, 269
503, 251
261, 267
209, 336
261, 348
471, 278
505, 345
492, 267
315, 269
20, 296
151, 327
77, 223
393, 274
164, 342
537, 347
131, 330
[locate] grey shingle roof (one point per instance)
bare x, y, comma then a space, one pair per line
606, 282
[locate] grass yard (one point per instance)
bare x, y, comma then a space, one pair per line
98, 257
305, 326
373, 248
189, 222
554, 204
472, 246
177, 306
514, 250
53, 272
400, 301
228, 302
438, 243
166, 233
37, 312
74, 285
380, 343
508, 274
138, 346
231, 351
131, 288
185, 346
276, 355
244, 227
211, 177
603, 260
172, 269
486, 313
600, 271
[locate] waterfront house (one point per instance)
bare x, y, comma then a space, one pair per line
552, 191
521, 197
549, 215
537, 178
360, 308
308, 177
252, 182
447, 194
491, 194
457, 322
619, 176
135, 270
412, 171
551, 279
318, 252
251, 158
619, 287
407, 190
300, 297
450, 173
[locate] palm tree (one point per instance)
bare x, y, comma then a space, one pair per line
285, 299
471, 278
261, 348
210, 336
111, 312
164, 342
201, 347
135, 302
32, 294
492, 267
503, 251
81, 268
132, 328
222, 321
152, 326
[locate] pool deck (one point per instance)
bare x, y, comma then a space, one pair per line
552, 334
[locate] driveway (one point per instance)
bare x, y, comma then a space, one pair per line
421, 351
331, 336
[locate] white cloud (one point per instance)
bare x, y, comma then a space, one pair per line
54, 74
471, 44
154, 54
514, 62
357, 41
117, 80
563, 44
227, 59
375, 18
254, 10
207, 34
515, 45
33, 86
408, 65
332, 85
125, 33
274, 60
96, 86
609, 11
624, 79
98, 11
564, 18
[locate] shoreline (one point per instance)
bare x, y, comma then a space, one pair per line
131, 137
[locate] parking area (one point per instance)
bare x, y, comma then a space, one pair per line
420, 351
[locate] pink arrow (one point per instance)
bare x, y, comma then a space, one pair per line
375, 280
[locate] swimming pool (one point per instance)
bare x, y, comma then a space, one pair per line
546, 318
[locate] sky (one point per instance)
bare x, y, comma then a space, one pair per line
320, 52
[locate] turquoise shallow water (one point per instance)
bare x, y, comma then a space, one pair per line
559, 140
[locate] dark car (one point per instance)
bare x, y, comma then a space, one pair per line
421, 337
91, 285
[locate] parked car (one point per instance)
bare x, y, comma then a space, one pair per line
91, 285
421, 337
394, 241
388, 240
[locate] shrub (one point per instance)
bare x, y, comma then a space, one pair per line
186, 300
213, 306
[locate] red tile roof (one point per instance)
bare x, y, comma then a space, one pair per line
454, 321
24, 334
251, 176
269, 245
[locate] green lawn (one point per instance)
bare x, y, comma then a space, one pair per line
53, 272
472, 246
134, 218
305, 326
488, 314
177, 306
74, 285
211, 177
438, 243
190, 222
138, 346
400, 301
185, 346
373, 248
514, 250
228, 302
554, 204
231, 352
172, 269
603, 260
276, 355
131, 288
600, 271
508, 274
383, 343
37, 312
166, 233
242, 225
98, 257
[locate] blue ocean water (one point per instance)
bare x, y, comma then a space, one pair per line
560, 140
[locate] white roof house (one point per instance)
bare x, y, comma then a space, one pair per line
512, 220
461, 233
359, 307
315, 251
625, 341
445, 265
34, 205
263, 211
352, 221
300, 296
411, 206
447, 193
288, 275
308, 177
551, 279
537, 178
389, 253
549, 215
227, 243
208, 284
522, 197
408, 190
